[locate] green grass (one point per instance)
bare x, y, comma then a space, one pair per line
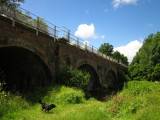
139, 100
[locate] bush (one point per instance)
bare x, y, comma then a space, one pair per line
10, 103
69, 96
74, 78
138, 87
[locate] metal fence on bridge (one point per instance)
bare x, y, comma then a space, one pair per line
40, 25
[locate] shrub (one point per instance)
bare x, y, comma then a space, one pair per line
69, 96
10, 103
74, 78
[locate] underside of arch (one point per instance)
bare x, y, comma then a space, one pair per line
24, 70
111, 80
94, 80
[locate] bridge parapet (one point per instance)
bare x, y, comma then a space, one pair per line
40, 25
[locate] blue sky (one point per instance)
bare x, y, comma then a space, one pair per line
122, 23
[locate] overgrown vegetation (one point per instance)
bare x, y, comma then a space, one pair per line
23, 15
74, 78
139, 100
11, 3
145, 65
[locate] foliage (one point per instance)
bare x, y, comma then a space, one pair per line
74, 78
145, 65
117, 55
11, 3
139, 100
120, 57
25, 16
69, 96
42, 25
37, 22
106, 49
9, 103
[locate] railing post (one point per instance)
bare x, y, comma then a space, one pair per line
68, 35
14, 16
77, 42
85, 45
54, 33
92, 50
37, 25
102, 54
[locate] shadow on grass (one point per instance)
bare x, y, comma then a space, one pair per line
34, 97
50, 91
105, 95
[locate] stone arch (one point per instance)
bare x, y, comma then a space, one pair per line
111, 79
24, 69
94, 82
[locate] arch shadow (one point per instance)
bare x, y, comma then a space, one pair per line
94, 83
111, 79
25, 71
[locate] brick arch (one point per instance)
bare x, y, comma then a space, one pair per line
24, 68
111, 79
85, 61
89, 67
30, 43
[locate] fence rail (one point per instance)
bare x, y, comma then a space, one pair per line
40, 25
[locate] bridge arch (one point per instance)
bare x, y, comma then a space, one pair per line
94, 80
87, 66
111, 79
24, 69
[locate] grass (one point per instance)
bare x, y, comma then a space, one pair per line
139, 100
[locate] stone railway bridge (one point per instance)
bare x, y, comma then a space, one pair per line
32, 59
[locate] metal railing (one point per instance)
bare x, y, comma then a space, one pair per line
40, 25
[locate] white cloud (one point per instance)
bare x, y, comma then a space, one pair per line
130, 49
86, 31
117, 3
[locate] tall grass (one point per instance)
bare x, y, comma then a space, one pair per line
139, 100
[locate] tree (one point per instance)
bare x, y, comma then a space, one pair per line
117, 56
124, 59
27, 19
73, 78
145, 65
120, 57
106, 49
11, 3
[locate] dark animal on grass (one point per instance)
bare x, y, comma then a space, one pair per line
46, 106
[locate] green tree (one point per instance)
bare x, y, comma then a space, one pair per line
124, 59
11, 3
120, 57
145, 65
117, 56
74, 78
106, 49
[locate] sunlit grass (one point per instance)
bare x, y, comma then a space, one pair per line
137, 101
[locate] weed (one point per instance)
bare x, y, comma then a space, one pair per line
137, 101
